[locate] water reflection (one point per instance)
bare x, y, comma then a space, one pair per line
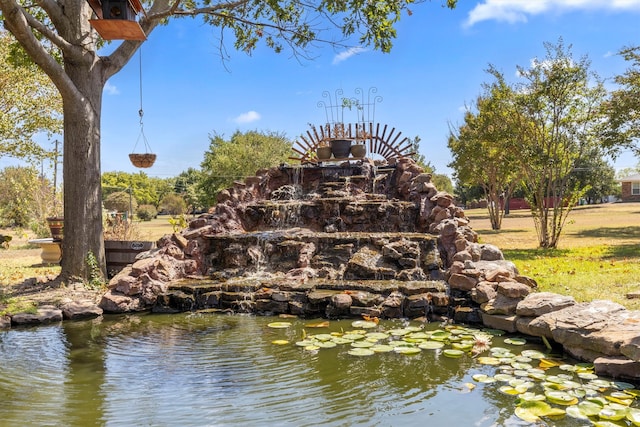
205, 369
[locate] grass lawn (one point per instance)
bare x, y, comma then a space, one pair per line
598, 255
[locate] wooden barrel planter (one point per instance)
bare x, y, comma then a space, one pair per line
120, 253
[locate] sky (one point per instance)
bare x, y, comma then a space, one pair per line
436, 68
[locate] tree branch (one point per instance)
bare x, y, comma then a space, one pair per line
16, 20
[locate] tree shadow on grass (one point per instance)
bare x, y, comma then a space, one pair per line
611, 252
493, 232
631, 232
530, 254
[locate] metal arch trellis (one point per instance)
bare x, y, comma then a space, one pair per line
363, 130
380, 140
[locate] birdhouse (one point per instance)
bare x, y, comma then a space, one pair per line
117, 19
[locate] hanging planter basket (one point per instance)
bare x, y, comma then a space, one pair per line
145, 160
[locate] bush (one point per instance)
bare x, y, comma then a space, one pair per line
147, 212
120, 201
173, 204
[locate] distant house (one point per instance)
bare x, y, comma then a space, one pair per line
631, 188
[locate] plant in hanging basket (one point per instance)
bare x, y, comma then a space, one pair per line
145, 160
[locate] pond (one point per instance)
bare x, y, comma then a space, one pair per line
223, 370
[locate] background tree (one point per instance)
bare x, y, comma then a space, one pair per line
622, 128
173, 204
441, 181
57, 36
29, 104
187, 185
239, 157
147, 190
26, 199
482, 149
593, 173
121, 201
556, 115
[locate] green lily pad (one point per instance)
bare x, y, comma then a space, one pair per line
504, 377
364, 324
483, 378
533, 354
590, 408
488, 360
574, 412
382, 348
279, 325
311, 347
515, 341
430, 345
362, 344
361, 352
419, 335
407, 350
341, 340
326, 344
398, 332
612, 414
377, 335
353, 337
633, 415
622, 385
451, 352
511, 391
323, 337
529, 395
560, 397
532, 410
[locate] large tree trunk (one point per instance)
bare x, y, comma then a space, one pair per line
81, 168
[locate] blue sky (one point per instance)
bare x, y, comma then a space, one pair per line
436, 67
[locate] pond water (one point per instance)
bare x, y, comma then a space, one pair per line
223, 370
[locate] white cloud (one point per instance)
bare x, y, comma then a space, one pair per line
248, 117
110, 89
513, 11
343, 56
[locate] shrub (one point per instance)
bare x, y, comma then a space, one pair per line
147, 212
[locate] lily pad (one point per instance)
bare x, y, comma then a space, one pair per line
279, 325
280, 342
353, 337
560, 397
574, 412
611, 414
451, 352
430, 345
341, 340
382, 348
533, 354
407, 350
362, 344
361, 352
326, 344
488, 360
364, 324
483, 378
515, 341
532, 410
377, 335
633, 415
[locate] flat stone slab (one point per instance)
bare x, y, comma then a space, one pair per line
44, 314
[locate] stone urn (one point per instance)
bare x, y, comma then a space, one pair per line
358, 150
340, 148
323, 152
